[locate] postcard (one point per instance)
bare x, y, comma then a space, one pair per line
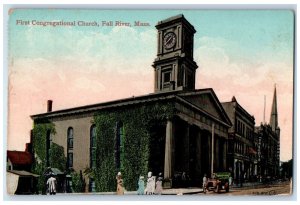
150, 102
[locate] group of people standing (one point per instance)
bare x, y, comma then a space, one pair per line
153, 185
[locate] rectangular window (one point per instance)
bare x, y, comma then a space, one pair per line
167, 77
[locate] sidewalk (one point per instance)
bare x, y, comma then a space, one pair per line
179, 191
247, 184
182, 191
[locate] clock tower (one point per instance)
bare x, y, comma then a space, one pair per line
175, 68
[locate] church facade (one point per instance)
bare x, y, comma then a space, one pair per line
177, 130
193, 138
268, 145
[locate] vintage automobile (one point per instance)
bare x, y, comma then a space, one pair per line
219, 181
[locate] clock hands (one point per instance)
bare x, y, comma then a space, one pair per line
169, 39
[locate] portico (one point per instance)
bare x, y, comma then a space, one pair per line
189, 137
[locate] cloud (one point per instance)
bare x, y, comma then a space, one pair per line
121, 48
216, 60
86, 84
249, 80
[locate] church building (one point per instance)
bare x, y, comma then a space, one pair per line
177, 130
268, 145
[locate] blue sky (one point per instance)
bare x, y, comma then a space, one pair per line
239, 52
246, 31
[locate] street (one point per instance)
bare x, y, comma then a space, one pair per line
272, 189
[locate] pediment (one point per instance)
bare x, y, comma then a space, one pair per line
207, 101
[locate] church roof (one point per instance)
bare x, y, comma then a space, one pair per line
194, 99
175, 19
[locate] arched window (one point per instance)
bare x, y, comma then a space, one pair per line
93, 146
119, 146
70, 139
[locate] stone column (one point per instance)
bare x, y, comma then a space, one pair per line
168, 150
199, 165
225, 162
234, 169
217, 159
187, 148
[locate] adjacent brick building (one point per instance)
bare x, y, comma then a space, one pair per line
241, 151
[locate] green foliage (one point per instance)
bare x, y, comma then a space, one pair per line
57, 157
137, 123
39, 138
105, 167
39, 168
39, 146
78, 183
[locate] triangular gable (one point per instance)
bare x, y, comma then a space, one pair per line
207, 100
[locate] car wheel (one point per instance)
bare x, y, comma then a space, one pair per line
227, 187
217, 189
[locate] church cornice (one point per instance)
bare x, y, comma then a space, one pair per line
158, 60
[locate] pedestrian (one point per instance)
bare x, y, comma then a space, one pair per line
241, 179
204, 183
158, 188
141, 185
150, 187
230, 180
120, 189
51, 184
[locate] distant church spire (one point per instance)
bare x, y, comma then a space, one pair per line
274, 114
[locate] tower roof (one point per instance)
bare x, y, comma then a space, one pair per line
274, 113
175, 19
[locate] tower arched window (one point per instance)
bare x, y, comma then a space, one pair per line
70, 144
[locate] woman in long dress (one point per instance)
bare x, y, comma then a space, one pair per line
141, 185
120, 189
158, 188
150, 187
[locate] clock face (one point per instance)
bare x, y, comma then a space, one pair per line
169, 40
